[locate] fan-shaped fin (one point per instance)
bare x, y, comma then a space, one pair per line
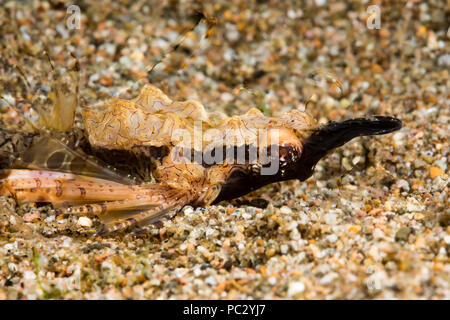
118, 206
49, 153
146, 217
66, 188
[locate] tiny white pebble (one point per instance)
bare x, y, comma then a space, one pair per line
272, 281
209, 232
378, 233
246, 216
85, 222
67, 242
398, 138
107, 265
12, 267
8, 247
285, 210
327, 279
226, 96
211, 281
303, 218
403, 184
295, 235
49, 219
202, 249
291, 14
295, 288
330, 218
332, 238
365, 85
179, 272
29, 275
188, 210
9, 98
447, 239
197, 272
356, 160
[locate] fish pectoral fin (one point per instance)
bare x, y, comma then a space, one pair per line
120, 221
118, 206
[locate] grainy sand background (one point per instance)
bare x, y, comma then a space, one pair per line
379, 231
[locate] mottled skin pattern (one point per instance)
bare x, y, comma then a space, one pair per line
122, 167
150, 121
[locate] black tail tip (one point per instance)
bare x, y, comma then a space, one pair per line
348, 129
386, 124
336, 134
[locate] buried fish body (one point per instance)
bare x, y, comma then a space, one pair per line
139, 160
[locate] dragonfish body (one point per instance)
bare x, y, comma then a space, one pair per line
138, 160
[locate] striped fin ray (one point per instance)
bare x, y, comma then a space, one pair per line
145, 218
65, 188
